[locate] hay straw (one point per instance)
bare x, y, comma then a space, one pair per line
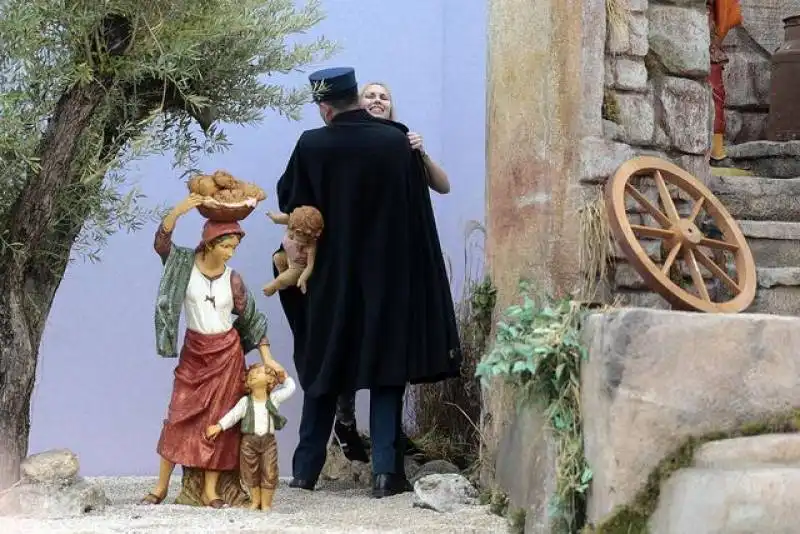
596, 246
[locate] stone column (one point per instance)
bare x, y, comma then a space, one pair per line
535, 121
544, 130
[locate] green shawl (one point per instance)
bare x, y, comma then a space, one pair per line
251, 324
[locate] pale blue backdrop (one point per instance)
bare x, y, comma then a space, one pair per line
101, 390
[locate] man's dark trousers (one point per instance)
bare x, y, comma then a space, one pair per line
316, 423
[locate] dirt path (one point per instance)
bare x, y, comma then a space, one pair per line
295, 511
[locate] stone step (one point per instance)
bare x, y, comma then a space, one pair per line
765, 158
758, 199
745, 501
774, 244
753, 451
778, 291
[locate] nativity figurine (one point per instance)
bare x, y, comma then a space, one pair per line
258, 418
295, 262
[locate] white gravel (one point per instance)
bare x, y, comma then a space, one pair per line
326, 510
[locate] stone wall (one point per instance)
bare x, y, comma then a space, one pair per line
656, 102
747, 75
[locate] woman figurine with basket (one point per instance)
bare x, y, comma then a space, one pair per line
208, 377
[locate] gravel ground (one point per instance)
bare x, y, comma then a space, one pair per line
327, 510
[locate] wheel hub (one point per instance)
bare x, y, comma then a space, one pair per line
687, 233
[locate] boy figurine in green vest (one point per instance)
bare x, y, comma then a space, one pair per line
258, 413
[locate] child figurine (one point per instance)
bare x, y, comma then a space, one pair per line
258, 413
296, 261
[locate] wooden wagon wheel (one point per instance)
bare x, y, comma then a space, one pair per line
677, 223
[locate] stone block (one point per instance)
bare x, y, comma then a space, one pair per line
767, 158
750, 451
611, 130
626, 277
655, 378
651, 246
769, 277
592, 65
526, 467
779, 300
637, 117
638, 34
679, 37
741, 501
600, 158
745, 126
637, 6
687, 111
630, 74
641, 299
758, 199
773, 244
695, 165
608, 74
746, 77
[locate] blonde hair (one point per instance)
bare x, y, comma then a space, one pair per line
388, 92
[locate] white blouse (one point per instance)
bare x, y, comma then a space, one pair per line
208, 304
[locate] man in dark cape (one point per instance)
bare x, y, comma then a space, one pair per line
378, 313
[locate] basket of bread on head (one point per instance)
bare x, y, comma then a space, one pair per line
229, 199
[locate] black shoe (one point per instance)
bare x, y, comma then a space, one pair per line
302, 484
388, 484
350, 442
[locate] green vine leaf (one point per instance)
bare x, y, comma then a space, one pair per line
538, 349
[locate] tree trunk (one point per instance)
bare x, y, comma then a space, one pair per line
30, 274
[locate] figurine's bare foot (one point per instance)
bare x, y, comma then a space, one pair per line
270, 290
255, 498
214, 501
266, 499
156, 497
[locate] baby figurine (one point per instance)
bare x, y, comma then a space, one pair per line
296, 261
258, 413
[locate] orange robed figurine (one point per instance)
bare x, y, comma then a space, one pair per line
722, 16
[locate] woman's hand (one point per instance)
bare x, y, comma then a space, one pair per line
416, 141
268, 360
191, 202
184, 207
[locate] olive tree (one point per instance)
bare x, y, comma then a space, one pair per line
86, 86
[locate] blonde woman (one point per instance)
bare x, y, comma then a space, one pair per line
376, 98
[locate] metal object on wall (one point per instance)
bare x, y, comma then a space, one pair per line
652, 199
783, 122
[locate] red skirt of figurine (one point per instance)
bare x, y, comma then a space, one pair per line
209, 381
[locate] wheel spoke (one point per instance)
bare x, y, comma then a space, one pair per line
698, 205
662, 219
671, 258
697, 277
716, 243
652, 232
666, 199
712, 266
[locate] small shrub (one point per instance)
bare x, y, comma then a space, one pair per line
446, 413
537, 349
